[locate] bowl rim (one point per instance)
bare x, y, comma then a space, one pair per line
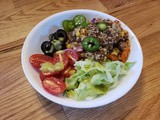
82, 104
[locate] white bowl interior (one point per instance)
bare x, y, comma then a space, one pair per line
41, 32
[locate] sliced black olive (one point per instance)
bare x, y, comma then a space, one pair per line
62, 34
63, 46
47, 48
53, 36
122, 46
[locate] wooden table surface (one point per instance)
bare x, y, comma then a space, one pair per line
19, 101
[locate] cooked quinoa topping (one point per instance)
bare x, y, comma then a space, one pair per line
113, 40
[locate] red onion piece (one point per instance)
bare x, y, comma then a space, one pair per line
78, 48
93, 20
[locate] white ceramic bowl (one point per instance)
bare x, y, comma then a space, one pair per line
40, 33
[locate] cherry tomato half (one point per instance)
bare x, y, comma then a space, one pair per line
72, 56
61, 78
69, 71
60, 56
42, 77
54, 85
58, 76
37, 59
48, 74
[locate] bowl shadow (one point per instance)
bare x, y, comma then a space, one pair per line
54, 110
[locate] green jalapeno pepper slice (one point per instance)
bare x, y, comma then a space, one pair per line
90, 44
79, 20
68, 25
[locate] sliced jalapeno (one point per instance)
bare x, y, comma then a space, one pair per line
90, 44
68, 25
79, 20
65, 26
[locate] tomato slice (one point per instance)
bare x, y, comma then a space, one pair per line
58, 76
54, 85
61, 78
69, 71
60, 56
57, 58
72, 55
42, 77
37, 59
48, 74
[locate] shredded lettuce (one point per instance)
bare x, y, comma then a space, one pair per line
93, 78
84, 90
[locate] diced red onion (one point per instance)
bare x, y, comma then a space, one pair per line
78, 48
93, 20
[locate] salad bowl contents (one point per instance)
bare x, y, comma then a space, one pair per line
85, 59
88, 56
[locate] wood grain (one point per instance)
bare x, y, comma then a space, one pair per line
111, 4
19, 101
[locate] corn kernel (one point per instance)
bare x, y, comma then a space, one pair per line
71, 72
77, 33
124, 32
68, 46
84, 31
115, 51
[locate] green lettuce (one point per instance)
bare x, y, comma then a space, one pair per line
93, 78
84, 90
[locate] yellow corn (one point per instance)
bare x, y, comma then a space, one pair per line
71, 72
69, 46
115, 52
84, 31
77, 33
124, 32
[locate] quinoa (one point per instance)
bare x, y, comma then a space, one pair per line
113, 41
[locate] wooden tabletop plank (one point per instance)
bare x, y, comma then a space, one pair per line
111, 4
6, 6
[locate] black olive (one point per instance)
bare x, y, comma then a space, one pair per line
62, 34
63, 46
122, 46
53, 36
47, 48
